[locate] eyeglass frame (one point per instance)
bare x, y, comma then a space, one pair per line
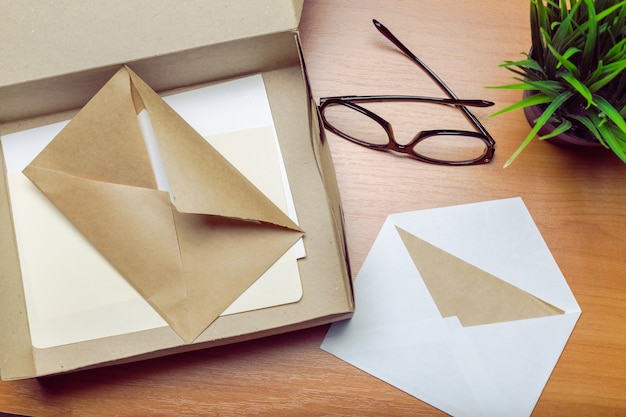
393, 145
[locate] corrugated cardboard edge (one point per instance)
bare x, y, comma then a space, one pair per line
198, 346
320, 152
16, 357
325, 261
326, 167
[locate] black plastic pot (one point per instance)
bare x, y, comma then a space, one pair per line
568, 138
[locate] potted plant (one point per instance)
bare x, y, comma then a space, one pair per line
574, 76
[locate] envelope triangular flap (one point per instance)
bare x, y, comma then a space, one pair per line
103, 142
473, 295
190, 263
233, 251
130, 239
202, 180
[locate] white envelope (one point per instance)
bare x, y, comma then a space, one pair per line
495, 365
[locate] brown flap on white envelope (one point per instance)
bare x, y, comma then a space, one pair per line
463, 290
190, 260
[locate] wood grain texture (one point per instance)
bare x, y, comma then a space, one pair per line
576, 197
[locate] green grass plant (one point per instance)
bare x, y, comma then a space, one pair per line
575, 70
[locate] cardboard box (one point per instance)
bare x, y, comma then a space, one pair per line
56, 59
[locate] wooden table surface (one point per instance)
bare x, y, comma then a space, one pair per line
575, 196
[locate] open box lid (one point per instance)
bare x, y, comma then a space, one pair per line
44, 40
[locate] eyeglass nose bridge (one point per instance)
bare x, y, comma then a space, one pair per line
409, 147
418, 137
396, 146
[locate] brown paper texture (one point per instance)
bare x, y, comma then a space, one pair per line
463, 290
189, 259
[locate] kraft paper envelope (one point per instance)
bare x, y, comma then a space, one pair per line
190, 247
462, 307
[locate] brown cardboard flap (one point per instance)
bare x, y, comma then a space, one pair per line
57, 56
27, 104
44, 38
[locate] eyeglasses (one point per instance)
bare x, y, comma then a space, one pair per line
341, 115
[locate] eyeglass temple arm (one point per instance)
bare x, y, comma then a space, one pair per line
435, 100
387, 34
391, 37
